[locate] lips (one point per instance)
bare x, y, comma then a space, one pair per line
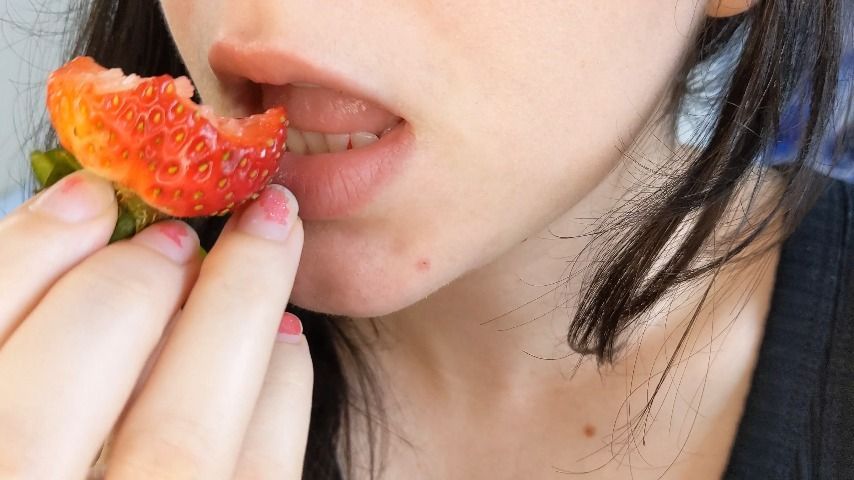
323, 120
344, 145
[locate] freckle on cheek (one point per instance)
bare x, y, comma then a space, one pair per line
423, 265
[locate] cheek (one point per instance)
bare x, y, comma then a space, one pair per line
179, 15
559, 93
188, 22
371, 271
177, 9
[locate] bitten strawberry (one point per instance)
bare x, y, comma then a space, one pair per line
149, 138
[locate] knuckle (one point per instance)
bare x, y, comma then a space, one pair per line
9, 468
113, 276
239, 282
12, 465
177, 452
237, 274
265, 467
105, 283
16, 458
254, 469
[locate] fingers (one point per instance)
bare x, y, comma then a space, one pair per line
68, 369
190, 419
274, 446
47, 236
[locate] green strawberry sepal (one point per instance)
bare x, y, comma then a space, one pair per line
53, 165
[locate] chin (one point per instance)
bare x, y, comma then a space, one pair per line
360, 276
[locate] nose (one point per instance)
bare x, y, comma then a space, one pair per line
262, 54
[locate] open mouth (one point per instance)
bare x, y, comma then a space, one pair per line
323, 120
344, 145
302, 142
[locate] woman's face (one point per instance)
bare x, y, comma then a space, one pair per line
515, 111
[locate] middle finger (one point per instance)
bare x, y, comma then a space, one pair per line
191, 416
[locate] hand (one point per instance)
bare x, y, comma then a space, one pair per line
92, 341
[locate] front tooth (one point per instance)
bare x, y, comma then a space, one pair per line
337, 142
316, 142
295, 142
362, 139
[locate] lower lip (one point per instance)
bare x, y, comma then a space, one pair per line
334, 185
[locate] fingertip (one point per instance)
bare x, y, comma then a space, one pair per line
77, 198
290, 329
287, 230
271, 216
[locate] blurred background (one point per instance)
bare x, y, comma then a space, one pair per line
30, 47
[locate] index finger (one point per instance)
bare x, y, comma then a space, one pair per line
47, 236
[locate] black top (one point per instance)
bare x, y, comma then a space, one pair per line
798, 422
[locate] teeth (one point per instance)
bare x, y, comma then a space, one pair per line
295, 142
316, 142
337, 142
363, 139
313, 143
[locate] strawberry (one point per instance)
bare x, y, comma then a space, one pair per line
158, 147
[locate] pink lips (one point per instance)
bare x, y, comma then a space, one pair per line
319, 109
334, 185
329, 185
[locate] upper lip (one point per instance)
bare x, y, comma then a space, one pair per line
243, 66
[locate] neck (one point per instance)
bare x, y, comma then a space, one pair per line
489, 331
492, 323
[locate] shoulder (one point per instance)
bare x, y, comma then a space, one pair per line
798, 420
833, 403
839, 388
823, 242
817, 263
817, 259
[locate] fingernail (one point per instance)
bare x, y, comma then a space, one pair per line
78, 197
271, 215
290, 329
171, 238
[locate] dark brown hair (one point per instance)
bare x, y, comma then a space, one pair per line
777, 54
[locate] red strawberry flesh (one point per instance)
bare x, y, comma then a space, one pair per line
148, 136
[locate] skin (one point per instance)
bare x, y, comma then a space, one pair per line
83, 344
535, 100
